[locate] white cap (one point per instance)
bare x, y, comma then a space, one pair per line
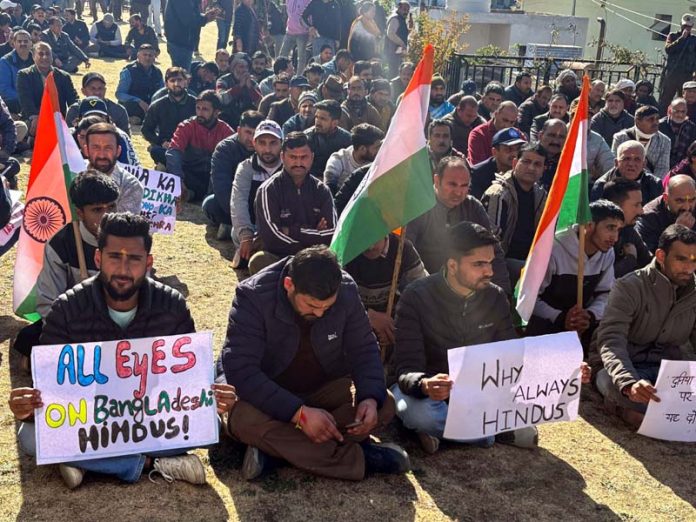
625, 84
6, 4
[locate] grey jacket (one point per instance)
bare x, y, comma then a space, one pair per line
600, 157
247, 179
130, 191
500, 201
656, 153
428, 233
645, 320
341, 164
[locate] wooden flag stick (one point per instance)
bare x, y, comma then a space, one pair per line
395, 275
581, 262
80, 250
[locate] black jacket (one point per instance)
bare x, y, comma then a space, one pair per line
183, 22
164, 115
324, 145
30, 87
325, 17
227, 155
431, 319
650, 185
81, 315
655, 219
623, 264
349, 187
526, 113
263, 337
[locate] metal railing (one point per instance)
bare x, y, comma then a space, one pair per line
503, 69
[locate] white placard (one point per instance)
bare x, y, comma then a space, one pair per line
159, 197
16, 217
674, 417
511, 384
105, 399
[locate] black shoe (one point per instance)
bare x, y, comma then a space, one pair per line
385, 458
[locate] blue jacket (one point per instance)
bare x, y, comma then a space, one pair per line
9, 67
263, 337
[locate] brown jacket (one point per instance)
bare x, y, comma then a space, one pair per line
646, 320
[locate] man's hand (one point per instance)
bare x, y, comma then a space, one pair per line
437, 387
686, 218
166, 144
323, 225
143, 105
57, 62
629, 249
366, 415
585, 373
225, 397
642, 391
313, 33
212, 14
686, 32
319, 425
245, 249
23, 402
88, 64
383, 325
577, 319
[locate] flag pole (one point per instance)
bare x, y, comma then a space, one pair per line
80, 251
581, 262
397, 269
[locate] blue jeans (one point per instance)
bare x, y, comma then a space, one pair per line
127, 468
606, 387
181, 56
428, 416
319, 42
223, 28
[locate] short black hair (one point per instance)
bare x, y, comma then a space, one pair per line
102, 128
174, 72
91, 187
604, 209
645, 111
313, 68
212, 97
5, 19
281, 78
618, 188
259, 54
124, 224
439, 123
675, 233
295, 140
380, 84
325, 47
330, 106
315, 271
453, 162
532, 146
559, 96
343, 54
494, 87
136, 16
251, 119
523, 74
365, 134
211, 67
34, 27
89, 120
465, 236
281, 63
360, 66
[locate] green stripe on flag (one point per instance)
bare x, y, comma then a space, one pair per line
576, 202
392, 200
27, 308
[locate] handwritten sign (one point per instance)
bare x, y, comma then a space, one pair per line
674, 417
159, 197
17, 215
508, 385
105, 399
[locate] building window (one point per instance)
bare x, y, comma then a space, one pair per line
662, 26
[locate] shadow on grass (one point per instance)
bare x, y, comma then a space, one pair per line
174, 282
288, 494
663, 460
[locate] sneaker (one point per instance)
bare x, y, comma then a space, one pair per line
184, 467
71, 476
255, 462
134, 120
385, 458
522, 438
224, 232
428, 443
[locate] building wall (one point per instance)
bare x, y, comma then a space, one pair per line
619, 31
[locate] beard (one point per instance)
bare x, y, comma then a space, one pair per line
104, 165
115, 293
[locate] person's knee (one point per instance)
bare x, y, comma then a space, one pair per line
421, 415
604, 384
261, 260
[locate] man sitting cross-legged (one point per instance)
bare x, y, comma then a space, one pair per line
120, 302
297, 339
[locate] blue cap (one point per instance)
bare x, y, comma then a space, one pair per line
509, 136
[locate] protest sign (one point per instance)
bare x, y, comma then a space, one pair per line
511, 384
17, 215
674, 417
159, 197
104, 399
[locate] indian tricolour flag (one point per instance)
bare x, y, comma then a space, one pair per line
567, 204
55, 161
399, 186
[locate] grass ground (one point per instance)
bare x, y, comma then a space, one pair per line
592, 469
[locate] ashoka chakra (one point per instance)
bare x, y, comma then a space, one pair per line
43, 217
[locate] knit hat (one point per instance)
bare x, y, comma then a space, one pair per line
308, 95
